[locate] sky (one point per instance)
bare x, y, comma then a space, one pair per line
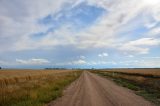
80, 33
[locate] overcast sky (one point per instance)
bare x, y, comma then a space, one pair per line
79, 33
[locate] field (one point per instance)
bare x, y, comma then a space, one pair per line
144, 71
33, 87
145, 82
42, 87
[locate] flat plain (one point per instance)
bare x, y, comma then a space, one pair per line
109, 87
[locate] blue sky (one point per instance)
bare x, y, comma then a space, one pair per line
79, 33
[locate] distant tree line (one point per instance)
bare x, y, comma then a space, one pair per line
55, 68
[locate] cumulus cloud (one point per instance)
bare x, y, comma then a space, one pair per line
103, 55
33, 61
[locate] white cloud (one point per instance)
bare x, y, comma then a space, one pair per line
103, 55
139, 46
142, 63
130, 56
73, 62
145, 42
103, 33
84, 62
106, 62
18, 23
151, 63
151, 57
33, 61
154, 32
79, 62
116, 29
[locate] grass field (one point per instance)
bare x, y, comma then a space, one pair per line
33, 87
145, 82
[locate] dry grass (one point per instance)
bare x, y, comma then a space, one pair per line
145, 71
8, 77
33, 87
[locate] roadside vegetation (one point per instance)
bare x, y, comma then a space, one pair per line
146, 85
33, 89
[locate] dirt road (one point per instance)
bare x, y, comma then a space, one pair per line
93, 90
